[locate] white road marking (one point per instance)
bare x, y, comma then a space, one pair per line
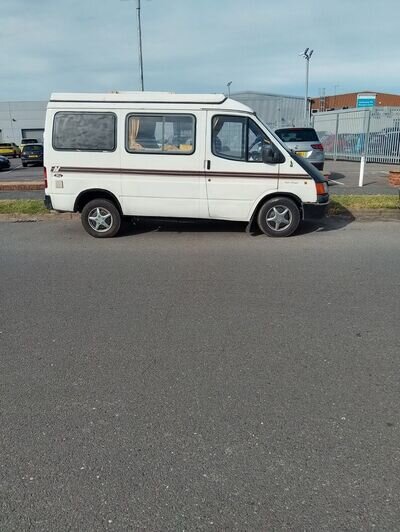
337, 182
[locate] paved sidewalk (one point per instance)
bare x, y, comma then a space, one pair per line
344, 177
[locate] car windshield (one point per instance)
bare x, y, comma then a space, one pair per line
36, 148
297, 135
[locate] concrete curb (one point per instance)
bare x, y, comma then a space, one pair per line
38, 217
371, 214
20, 185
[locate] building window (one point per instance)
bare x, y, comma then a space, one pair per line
73, 131
161, 133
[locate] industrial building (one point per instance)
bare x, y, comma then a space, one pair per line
274, 110
22, 120
352, 100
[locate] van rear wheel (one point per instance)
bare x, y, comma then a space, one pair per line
279, 217
101, 218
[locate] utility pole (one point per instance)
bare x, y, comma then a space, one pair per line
140, 45
335, 88
307, 56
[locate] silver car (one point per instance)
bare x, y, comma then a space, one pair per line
304, 141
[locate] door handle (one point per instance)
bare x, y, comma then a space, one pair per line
208, 165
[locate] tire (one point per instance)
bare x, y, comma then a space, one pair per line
24, 165
108, 220
286, 214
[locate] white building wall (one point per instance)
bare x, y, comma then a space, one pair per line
16, 116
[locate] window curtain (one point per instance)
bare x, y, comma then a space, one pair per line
134, 125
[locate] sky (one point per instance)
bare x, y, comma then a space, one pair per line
198, 46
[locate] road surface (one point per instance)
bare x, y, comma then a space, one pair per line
198, 378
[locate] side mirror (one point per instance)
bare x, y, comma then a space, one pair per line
271, 155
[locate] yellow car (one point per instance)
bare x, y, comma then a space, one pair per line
9, 149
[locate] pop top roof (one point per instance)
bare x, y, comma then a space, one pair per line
139, 97
147, 97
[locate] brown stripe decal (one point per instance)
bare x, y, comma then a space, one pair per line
175, 173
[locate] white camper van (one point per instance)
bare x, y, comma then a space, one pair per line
164, 155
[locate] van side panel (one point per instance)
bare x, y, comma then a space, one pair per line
159, 183
70, 172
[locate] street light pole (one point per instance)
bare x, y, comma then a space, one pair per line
229, 88
307, 56
140, 45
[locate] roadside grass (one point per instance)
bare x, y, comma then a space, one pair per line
339, 204
22, 207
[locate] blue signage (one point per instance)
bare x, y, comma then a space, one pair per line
366, 100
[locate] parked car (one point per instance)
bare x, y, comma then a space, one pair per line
27, 141
198, 156
32, 154
9, 149
4, 163
304, 141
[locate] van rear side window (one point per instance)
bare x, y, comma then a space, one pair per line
74, 131
164, 133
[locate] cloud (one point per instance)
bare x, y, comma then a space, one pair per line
197, 45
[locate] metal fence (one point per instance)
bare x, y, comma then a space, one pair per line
348, 134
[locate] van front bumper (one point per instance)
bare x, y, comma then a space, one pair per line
315, 211
47, 203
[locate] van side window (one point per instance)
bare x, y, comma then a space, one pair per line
256, 139
161, 133
84, 131
238, 138
229, 137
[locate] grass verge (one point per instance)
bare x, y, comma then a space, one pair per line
339, 204
22, 207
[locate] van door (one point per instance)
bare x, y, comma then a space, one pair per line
162, 164
236, 177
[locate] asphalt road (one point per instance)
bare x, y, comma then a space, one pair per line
198, 378
18, 173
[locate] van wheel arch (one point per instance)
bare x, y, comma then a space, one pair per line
95, 193
253, 225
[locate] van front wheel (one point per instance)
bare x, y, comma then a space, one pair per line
279, 217
101, 218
